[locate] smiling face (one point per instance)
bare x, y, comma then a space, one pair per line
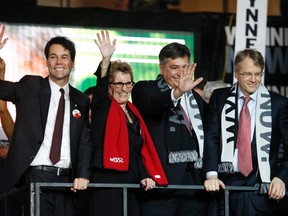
172, 69
59, 64
248, 70
248, 76
120, 93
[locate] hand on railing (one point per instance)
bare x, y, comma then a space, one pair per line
79, 184
213, 184
277, 189
148, 184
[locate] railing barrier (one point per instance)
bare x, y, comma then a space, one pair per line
35, 191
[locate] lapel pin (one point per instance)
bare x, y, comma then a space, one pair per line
76, 113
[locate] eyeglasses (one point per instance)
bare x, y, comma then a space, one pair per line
121, 84
248, 75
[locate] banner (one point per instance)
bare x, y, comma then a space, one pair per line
251, 22
276, 54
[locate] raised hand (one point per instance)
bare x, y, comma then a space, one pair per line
5, 116
105, 46
186, 81
2, 41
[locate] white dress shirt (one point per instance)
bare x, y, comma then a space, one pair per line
42, 157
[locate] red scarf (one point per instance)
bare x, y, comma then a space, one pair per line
116, 144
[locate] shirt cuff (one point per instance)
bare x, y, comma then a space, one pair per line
175, 101
211, 173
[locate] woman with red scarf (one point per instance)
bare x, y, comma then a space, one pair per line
123, 149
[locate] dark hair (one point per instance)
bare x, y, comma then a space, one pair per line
173, 50
255, 55
65, 42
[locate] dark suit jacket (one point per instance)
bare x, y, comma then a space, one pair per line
212, 149
31, 96
154, 106
100, 106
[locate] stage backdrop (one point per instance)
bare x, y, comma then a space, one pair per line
213, 37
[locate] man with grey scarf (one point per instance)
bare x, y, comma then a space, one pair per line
173, 112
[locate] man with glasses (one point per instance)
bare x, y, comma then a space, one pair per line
243, 131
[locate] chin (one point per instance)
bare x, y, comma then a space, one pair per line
122, 102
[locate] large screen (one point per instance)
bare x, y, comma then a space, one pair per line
24, 51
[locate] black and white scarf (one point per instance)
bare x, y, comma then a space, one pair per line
263, 134
180, 147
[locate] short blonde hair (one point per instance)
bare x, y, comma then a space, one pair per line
120, 66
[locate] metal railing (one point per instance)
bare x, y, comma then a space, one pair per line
6, 195
35, 192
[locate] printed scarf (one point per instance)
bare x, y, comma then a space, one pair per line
116, 144
181, 146
263, 134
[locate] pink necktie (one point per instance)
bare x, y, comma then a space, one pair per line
58, 130
244, 140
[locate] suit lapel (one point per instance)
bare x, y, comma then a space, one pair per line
73, 120
45, 95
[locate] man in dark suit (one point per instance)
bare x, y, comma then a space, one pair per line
36, 100
173, 112
223, 146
